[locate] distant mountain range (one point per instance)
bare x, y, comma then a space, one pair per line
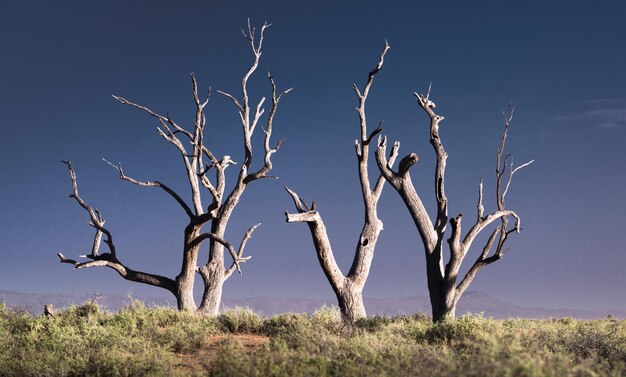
472, 302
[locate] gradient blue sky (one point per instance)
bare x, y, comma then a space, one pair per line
562, 63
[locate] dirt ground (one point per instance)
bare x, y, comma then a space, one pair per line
203, 359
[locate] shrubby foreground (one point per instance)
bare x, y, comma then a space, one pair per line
141, 341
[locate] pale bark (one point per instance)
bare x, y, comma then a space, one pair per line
193, 150
349, 288
442, 278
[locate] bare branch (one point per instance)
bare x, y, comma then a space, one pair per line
123, 271
164, 119
268, 149
171, 192
480, 209
190, 166
440, 170
478, 264
300, 204
406, 163
368, 85
259, 111
236, 260
485, 221
373, 134
383, 163
242, 247
107, 259
96, 220
511, 172
455, 236
66, 260
204, 180
380, 183
501, 166
195, 93
362, 146
401, 182
232, 98
320, 239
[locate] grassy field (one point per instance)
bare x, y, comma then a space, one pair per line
140, 341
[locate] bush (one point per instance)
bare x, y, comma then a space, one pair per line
240, 320
85, 340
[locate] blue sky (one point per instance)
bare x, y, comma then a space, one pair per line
561, 63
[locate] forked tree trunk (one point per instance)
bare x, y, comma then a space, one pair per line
349, 288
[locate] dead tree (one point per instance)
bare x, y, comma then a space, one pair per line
199, 163
349, 288
442, 279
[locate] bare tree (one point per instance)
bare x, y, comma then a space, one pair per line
349, 288
442, 280
199, 162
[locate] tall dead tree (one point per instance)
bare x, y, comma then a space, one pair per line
442, 279
199, 163
349, 288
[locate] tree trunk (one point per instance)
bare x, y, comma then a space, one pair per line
185, 280
213, 276
213, 273
184, 297
442, 294
350, 299
446, 310
443, 302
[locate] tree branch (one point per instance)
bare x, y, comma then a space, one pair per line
108, 259
480, 262
242, 246
244, 114
383, 163
480, 209
161, 118
388, 163
169, 135
196, 241
485, 221
168, 190
440, 193
320, 238
362, 148
123, 271
269, 151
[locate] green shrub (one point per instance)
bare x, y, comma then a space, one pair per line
240, 320
284, 324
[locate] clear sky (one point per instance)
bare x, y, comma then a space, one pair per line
561, 63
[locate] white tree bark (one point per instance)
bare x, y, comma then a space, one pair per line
193, 151
442, 278
349, 288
